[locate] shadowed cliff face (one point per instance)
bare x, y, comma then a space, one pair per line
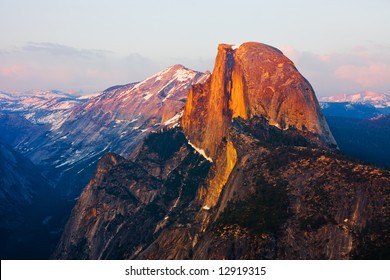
127, 204
250, 80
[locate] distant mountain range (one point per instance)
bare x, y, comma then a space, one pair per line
40, 107
378, 100
360, 123
360, 105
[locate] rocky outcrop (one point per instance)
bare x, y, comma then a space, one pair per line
250, 80
127, 204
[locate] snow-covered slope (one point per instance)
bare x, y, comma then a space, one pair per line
161, 95
378, 100
82, 129
40, 107
119, 119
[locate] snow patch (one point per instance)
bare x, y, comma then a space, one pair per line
64, 105
275, 125
174, 119
148, 95
381, 116
134, 120
119, 121
46, 220
234, 47
67, 162
183, 75
159, 75
278, 126
89, 96
324, 105
200, 151
378, 100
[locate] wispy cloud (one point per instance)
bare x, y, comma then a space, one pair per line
372, 75
49, 65
55, 66
363, 67
58, 49
13, 70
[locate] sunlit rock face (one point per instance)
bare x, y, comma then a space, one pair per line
249, 80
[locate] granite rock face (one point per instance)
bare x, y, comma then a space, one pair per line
128, 203
250, 80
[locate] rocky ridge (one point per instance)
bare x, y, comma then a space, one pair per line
378, 100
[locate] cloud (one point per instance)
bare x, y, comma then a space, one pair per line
13, 70
56, 66
372, 75
46, 65
197, 64
58, 49
291, 52
357, 69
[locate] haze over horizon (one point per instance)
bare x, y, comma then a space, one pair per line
87, 46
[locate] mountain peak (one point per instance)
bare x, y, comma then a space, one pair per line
157, 100
177, 66
177, 71
249, 80
378, 100
250, 46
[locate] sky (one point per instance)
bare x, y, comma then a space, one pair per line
84, 46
